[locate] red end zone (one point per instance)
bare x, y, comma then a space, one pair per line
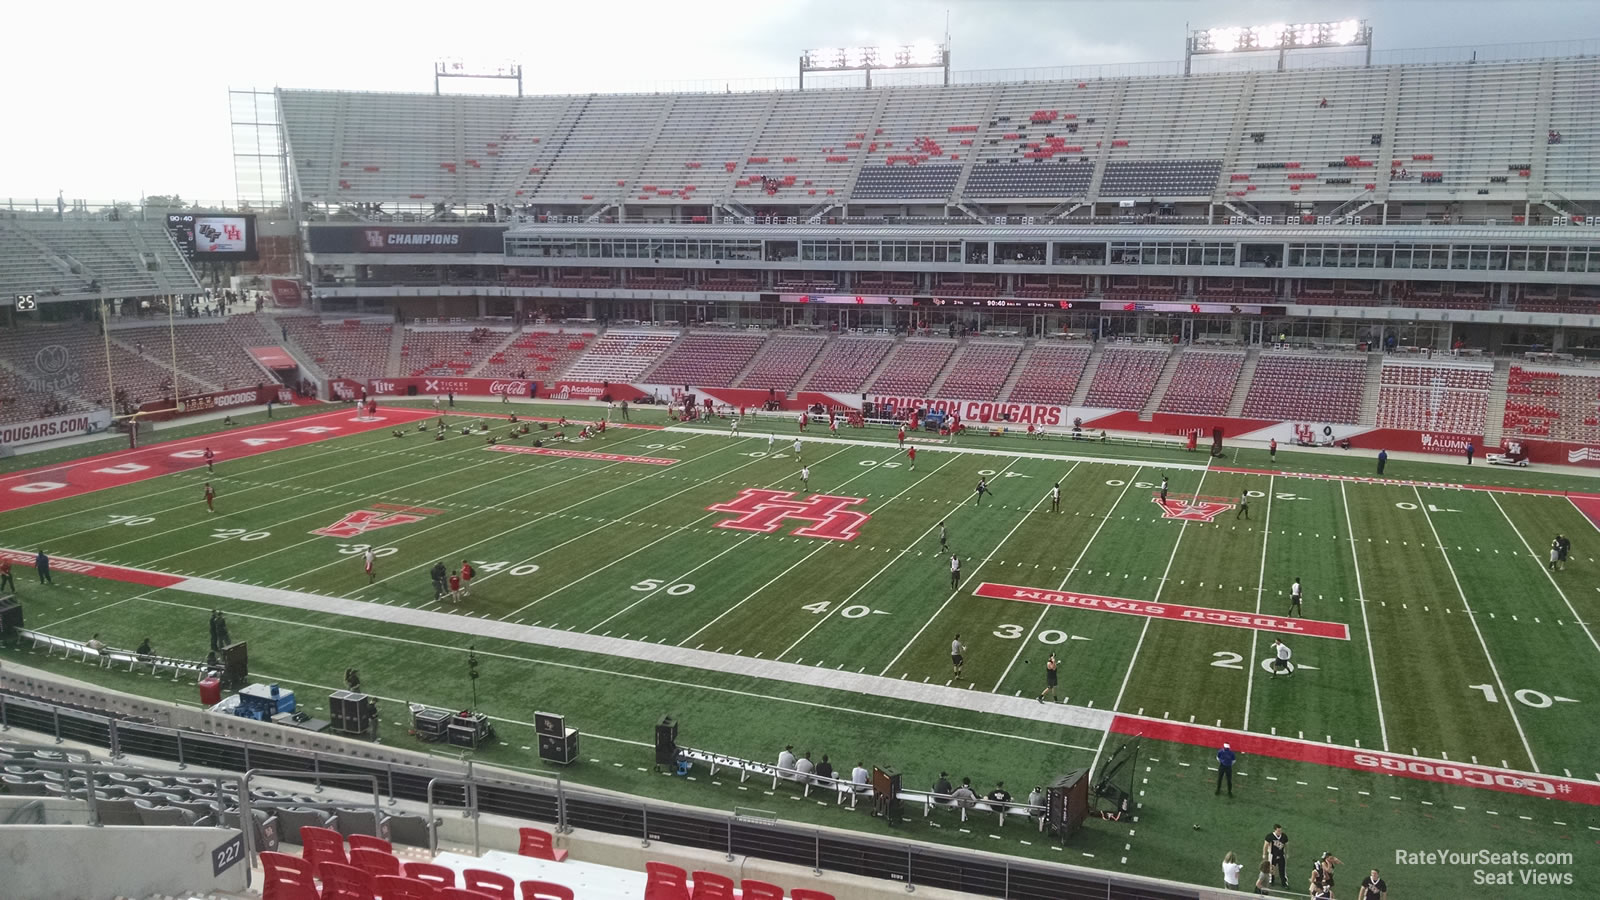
107, 470
582, 454
1199, 614
1440, 771
95, 570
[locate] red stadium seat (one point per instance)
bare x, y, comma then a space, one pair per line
430, 872
287, 877
395, 887
711, 886
664, 881
501, 887
545, 890
539, 844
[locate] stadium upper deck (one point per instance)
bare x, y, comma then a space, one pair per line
1332, 139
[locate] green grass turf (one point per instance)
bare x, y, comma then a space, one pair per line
615, 546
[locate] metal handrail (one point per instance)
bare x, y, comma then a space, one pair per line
608, 813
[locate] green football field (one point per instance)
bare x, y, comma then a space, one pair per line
610, 590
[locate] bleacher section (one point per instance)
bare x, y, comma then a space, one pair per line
1459, 126
1050, 374
1203, 383
980, 370
540, 355
1424, 397
1126, 377
212, 351
1317, 133
1312, 389
342, 349
785, 359
621, 355
80, 364
1560, 406
847, 362
706, 359
912, 367
447, 351
77, 258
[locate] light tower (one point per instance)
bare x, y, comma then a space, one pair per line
455, 68
866, 59
1280, 38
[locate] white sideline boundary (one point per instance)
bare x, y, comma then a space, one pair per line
704, 660
945, 448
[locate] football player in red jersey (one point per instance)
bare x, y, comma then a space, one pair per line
211, 495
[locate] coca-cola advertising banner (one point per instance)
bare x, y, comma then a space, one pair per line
410, 387
406, 239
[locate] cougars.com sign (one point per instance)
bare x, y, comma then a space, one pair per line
976, 411
17, 434
494, 387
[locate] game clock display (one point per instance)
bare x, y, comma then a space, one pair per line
220, 237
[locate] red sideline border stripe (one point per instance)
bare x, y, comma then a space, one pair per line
1509, 781
75, 478
1403, 482
583, 454
1200, 615
142, 577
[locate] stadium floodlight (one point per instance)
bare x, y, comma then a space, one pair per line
1279, 38
509, 70
921, 55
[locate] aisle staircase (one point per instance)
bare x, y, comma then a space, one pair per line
1081, 393
1247, 373
1372, 387
1494, 417
1163, 381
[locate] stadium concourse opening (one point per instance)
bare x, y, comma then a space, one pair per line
977, 468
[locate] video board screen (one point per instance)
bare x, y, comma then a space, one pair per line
214, 237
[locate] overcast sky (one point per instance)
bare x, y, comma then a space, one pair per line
110, 100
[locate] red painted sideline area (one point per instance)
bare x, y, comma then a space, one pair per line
1402, 482
18, 559
582, 454
1495, 779
108, 470
1200, 614
1589, 505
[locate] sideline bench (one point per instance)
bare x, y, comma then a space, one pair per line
109, 657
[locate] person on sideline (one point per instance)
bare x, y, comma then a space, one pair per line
1230, 871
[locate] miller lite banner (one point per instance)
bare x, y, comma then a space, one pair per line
430, 386
407, 239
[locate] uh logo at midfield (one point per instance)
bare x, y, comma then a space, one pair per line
766, 511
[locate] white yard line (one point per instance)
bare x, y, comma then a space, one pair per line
1546, 569
1063, 585
302, 493
670, 533
328, 447
1366, 628
1261, 587
821, 545
1467, 605
1160, 586
965, 581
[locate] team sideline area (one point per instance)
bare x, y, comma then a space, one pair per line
768, 587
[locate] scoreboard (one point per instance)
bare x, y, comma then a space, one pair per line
214, 237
